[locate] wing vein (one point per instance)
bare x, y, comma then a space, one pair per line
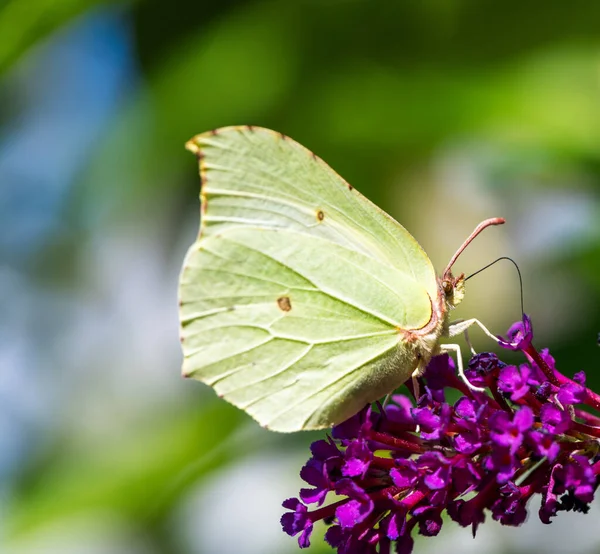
331, 384
381, 317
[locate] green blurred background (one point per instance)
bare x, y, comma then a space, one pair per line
443, 112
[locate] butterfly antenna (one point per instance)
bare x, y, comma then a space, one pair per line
483, 225
516, 267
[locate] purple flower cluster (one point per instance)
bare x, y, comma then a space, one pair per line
398, 467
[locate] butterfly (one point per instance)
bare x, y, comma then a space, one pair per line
301, 301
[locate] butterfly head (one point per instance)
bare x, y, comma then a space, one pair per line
454, 289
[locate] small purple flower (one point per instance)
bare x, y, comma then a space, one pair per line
544, 391
554, 420
357, 508
405, 474
469, 439
323, 450
433, 425
571, 393
485, 363
399, 411
297, 521
514, 381
435, 469
543, 445
358, 457
466, 475
550, 503
354, 426
314, 475
394, 525
430, 520
519, 335
467, 413
509, 432
482, 367
509, 508
466, 408
579, 478
502, 462
321, 471
579, 378
467, 513
440, 372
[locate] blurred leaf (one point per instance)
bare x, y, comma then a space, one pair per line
239, 70
25, 22
141, 473
236, 72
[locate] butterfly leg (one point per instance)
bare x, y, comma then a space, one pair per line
386, 400
415, 383
466, 334
459, 364
416, 390
458, 327
381, 406
468, 341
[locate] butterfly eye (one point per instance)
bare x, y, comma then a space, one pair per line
448, 287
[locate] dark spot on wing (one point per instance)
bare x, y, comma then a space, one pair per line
214, 132
284, 303
350, 187
282, 136
314, 156
250, 128
320, 215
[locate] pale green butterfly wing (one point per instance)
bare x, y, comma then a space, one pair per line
295, 296
256, 177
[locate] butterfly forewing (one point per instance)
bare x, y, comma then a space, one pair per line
254, 176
